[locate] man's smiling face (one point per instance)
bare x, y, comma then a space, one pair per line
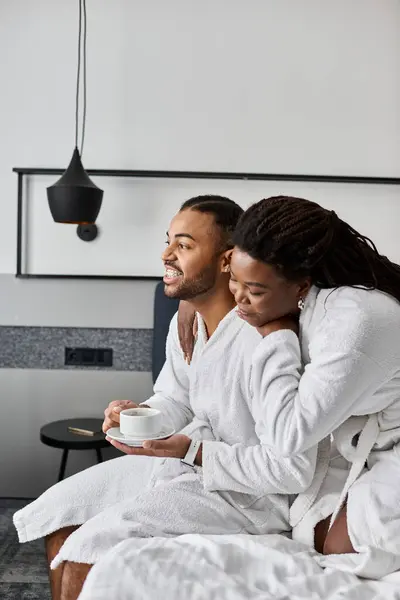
191, 258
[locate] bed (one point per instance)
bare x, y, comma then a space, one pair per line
227, 567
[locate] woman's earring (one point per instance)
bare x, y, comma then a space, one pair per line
227, 269
301, 304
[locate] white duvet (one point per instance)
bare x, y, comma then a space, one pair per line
226, 567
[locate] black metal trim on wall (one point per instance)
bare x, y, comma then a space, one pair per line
22, 171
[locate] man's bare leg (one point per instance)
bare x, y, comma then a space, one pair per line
73, 578
53, 543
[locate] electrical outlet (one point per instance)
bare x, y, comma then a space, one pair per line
89, 357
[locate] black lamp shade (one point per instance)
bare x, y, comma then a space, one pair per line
74, 198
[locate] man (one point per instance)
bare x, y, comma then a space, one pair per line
235, 484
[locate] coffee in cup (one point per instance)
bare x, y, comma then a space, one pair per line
140, 422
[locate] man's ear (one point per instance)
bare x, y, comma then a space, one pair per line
226, 261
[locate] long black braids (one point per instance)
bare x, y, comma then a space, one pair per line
301, 238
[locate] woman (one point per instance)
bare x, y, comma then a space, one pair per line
349, 342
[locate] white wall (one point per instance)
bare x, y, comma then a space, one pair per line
74, 303
30, 398
135, 218
268, 86
303, 87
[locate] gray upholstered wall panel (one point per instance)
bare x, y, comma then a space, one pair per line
44, 347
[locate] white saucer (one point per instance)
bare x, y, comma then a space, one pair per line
115, 434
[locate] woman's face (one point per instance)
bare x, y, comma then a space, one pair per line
261, 293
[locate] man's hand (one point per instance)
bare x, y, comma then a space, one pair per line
111, 414
287, 322
174, 447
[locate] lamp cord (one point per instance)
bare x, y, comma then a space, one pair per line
81, 38
84, 76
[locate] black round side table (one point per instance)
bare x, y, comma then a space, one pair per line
57, 435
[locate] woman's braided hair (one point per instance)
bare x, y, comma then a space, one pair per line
300, 238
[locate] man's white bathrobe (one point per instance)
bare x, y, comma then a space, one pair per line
242, 487
350, 343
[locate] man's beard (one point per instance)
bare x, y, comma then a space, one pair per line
189, 289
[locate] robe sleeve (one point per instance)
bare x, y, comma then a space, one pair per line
347, 366
171, 390
256, 470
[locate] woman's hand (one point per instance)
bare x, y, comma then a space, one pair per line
287, 322
187, 329
111, 414
174, 447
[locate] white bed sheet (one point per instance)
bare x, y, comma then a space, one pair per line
226, 567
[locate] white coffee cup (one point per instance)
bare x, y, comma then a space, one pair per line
140, 422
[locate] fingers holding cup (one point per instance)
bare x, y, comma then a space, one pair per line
111, 413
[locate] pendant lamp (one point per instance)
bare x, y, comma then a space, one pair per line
74, 198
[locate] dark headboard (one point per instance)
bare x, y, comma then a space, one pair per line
164, 310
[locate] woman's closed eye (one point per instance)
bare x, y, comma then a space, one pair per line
233, 280
256, 293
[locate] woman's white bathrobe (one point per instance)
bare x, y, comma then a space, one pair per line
241, 488
350, 343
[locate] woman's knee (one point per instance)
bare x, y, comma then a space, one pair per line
338, 540
320, 533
